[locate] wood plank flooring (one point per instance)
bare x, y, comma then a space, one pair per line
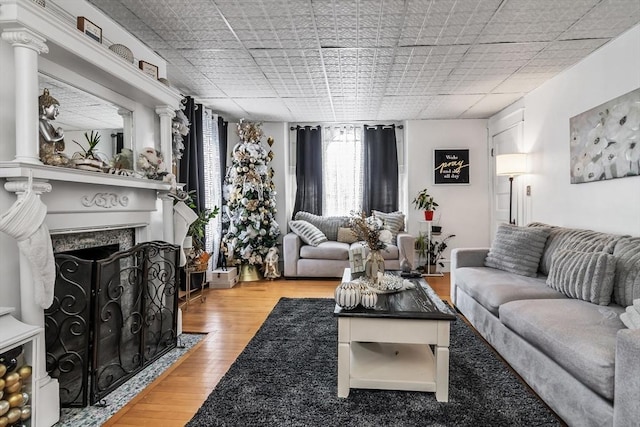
230, 317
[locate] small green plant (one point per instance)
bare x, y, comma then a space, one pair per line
198, 228
92, 139
424, 201
431, 251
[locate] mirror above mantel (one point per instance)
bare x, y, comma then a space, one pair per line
81, 111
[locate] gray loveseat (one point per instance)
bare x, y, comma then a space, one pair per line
329, 258
554, 329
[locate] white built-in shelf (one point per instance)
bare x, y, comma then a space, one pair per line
69, 47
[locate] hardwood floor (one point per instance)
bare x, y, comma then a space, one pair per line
230, 318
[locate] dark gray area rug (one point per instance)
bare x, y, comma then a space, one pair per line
287, 376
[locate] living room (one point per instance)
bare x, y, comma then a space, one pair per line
537, 121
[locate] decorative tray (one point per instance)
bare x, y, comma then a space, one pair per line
386, 284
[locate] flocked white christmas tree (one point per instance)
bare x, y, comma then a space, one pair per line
251, 200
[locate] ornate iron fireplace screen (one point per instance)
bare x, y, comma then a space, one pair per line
110, 318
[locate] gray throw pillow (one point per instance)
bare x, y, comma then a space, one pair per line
626, 287
574, 239
587, 276
517, 249
393, 221
327, 224
307, 232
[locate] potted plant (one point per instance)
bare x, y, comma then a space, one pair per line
431, 252
425, 202
421, 246
436, 228
89, 159
199, 257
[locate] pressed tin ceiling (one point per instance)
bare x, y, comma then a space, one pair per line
382, 60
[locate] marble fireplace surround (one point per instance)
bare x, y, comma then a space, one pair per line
81, 203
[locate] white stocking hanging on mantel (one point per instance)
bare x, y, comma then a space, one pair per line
24, 221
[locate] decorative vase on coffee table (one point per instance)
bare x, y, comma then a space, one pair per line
373, 265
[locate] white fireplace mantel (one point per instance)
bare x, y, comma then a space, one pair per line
21, 171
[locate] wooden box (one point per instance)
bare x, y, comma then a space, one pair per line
223, 278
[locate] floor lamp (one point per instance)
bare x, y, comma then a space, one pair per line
511, 165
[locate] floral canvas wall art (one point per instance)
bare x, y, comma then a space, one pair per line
605, 141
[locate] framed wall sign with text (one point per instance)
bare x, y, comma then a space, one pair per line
149, 69
451, 166
89, 28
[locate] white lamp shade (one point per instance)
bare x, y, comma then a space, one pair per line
511, 164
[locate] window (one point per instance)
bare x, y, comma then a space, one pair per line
342, 169
212, 180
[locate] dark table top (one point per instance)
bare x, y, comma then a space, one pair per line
421, 302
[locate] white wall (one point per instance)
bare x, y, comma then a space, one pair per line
611, 205
464, 209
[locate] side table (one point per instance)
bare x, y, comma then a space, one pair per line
186, 294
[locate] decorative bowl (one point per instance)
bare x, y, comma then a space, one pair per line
122, 51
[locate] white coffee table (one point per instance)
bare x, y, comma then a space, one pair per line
389, 347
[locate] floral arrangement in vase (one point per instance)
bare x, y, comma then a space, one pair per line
370, 230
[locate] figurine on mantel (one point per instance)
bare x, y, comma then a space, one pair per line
51, 139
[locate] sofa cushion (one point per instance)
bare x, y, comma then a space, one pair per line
517, 249
491, 287
326, 250
346, 235
573, 239
626, 286
307, 232
577, 335
583, 275
392, 221
327, 224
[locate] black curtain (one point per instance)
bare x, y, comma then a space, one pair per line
119, 141
222, 145
308, 170
380, 180
191, 171
224, 219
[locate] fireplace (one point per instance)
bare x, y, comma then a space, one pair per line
86, 209
114, 312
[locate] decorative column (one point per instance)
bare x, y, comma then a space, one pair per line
166, 113
127, 127
167, 217
26, 47
46, 393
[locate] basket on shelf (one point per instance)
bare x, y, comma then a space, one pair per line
122, 51
199, 263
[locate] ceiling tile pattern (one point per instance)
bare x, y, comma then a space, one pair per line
368, 60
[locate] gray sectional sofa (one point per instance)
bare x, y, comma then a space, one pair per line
559, 327
330, 257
